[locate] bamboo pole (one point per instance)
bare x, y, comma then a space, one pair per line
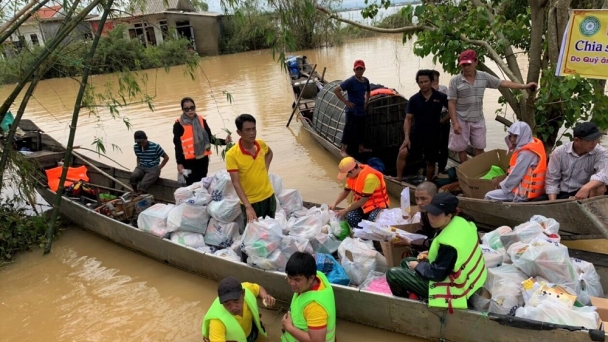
83, 158
68, 151
323, 75
297, 106
20, 18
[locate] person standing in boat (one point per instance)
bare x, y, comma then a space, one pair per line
422, 136
368, 187
465, 96
234, 314
358, 89
148, 163
579, 168
454, 268
444, 130
525, 179
193, 139
312, 313
248, 163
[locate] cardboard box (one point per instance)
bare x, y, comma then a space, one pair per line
394, 254
470, 171
602, 307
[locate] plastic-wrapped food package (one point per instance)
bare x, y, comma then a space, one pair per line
261, 237
321, 212
221, 187
277, 183
589, 281
290, 201
555, 313
525, 232
550, 226
325, 243
154, 219
221, 234
358, 259
189, 239
227, 253
492, 257
292, 244
492, 239
391, 217
226, 210
504, 285
307, 226
274, 261
188, 217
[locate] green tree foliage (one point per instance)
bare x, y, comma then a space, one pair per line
248, 29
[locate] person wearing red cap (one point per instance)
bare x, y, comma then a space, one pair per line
358, 89
369, 188
465, 104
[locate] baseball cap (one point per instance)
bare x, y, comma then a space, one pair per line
359, 64
587, 131
467, 56
140, 136
442, 203
346, 164
229, 288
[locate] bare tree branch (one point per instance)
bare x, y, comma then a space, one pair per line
406, 29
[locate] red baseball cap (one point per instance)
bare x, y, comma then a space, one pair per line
467, 56
359, 64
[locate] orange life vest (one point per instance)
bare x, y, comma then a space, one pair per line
74, 175
379, 199
187, 139
533, 183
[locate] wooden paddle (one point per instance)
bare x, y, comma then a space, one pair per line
300, 96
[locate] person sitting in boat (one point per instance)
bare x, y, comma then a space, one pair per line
234, 314
357, 88
424, 193
192, 139
312, 313
454, 268
525, 179
579, 168
148, 163
422, 136
369, 189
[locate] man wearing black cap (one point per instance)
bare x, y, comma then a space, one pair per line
148, 163
454, 268
234, 315
579, 168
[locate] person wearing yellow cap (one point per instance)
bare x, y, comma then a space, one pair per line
369, 189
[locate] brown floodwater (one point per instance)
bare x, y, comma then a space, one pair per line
91, 290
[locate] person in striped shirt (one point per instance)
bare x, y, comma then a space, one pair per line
148, 163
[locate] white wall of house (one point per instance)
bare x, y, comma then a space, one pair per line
27, 30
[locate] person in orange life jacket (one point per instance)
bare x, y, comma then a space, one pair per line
424, 193
233, 298
312, 314
370, 195
148, 163
510, 187
413, 276
193, 139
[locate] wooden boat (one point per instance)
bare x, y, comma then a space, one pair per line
383, 311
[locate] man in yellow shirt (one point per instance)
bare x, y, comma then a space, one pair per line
248, 162
234, 315
369, 188
312, 314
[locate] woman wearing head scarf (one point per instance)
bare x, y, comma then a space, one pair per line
193, 139
525, 179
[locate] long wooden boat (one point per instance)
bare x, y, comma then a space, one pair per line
325, 122
383, 311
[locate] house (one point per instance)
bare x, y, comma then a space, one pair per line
152, 23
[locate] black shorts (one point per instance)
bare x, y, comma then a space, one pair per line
425, 147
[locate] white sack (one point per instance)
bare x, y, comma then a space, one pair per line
226, 210
281, 218
221, 234
154, 219
188, 217
290, 200
188, 239
364, 259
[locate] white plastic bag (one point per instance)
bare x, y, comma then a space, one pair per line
189, 218
290, 200
589, 281
321, 212
525, 233
325, 243
221, 186
277, 183
405, 202
221, 234
200, 196
281, 218
292, 244
227, 253
492, 239
154, 219
390, 217
358, 259
549, 225
555, 313
369, 230
274, 261
492, 257
307, 226
206, 182
236, 246
182, 194
226, 210
193, 240
261, 237
504, 285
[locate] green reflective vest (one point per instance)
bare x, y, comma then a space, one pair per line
325, 298
469, 273
234, 331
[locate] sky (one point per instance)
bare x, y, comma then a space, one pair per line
214, 5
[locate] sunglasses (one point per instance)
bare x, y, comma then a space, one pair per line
189, 109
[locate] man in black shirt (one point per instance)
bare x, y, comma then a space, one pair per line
422, 135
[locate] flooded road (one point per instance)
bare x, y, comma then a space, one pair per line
91, 290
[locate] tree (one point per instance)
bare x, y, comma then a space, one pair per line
499, 31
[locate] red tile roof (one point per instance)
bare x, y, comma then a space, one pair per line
47, 12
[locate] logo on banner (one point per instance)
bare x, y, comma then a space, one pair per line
589, 26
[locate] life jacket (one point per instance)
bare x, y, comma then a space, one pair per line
383, 91
325, 298
74, 175
187, 139
469, 272
234, 331
379, 199
533, 183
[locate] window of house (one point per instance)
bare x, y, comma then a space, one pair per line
164, 27
34, 38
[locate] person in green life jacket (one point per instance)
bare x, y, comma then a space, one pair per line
455, 268
234, 315
312, 314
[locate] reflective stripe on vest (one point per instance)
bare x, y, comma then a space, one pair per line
187, 139
234, 331
469, 273
325, 298
533, 183
379, 199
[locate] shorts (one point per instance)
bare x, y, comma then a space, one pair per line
424, 146
473, 133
